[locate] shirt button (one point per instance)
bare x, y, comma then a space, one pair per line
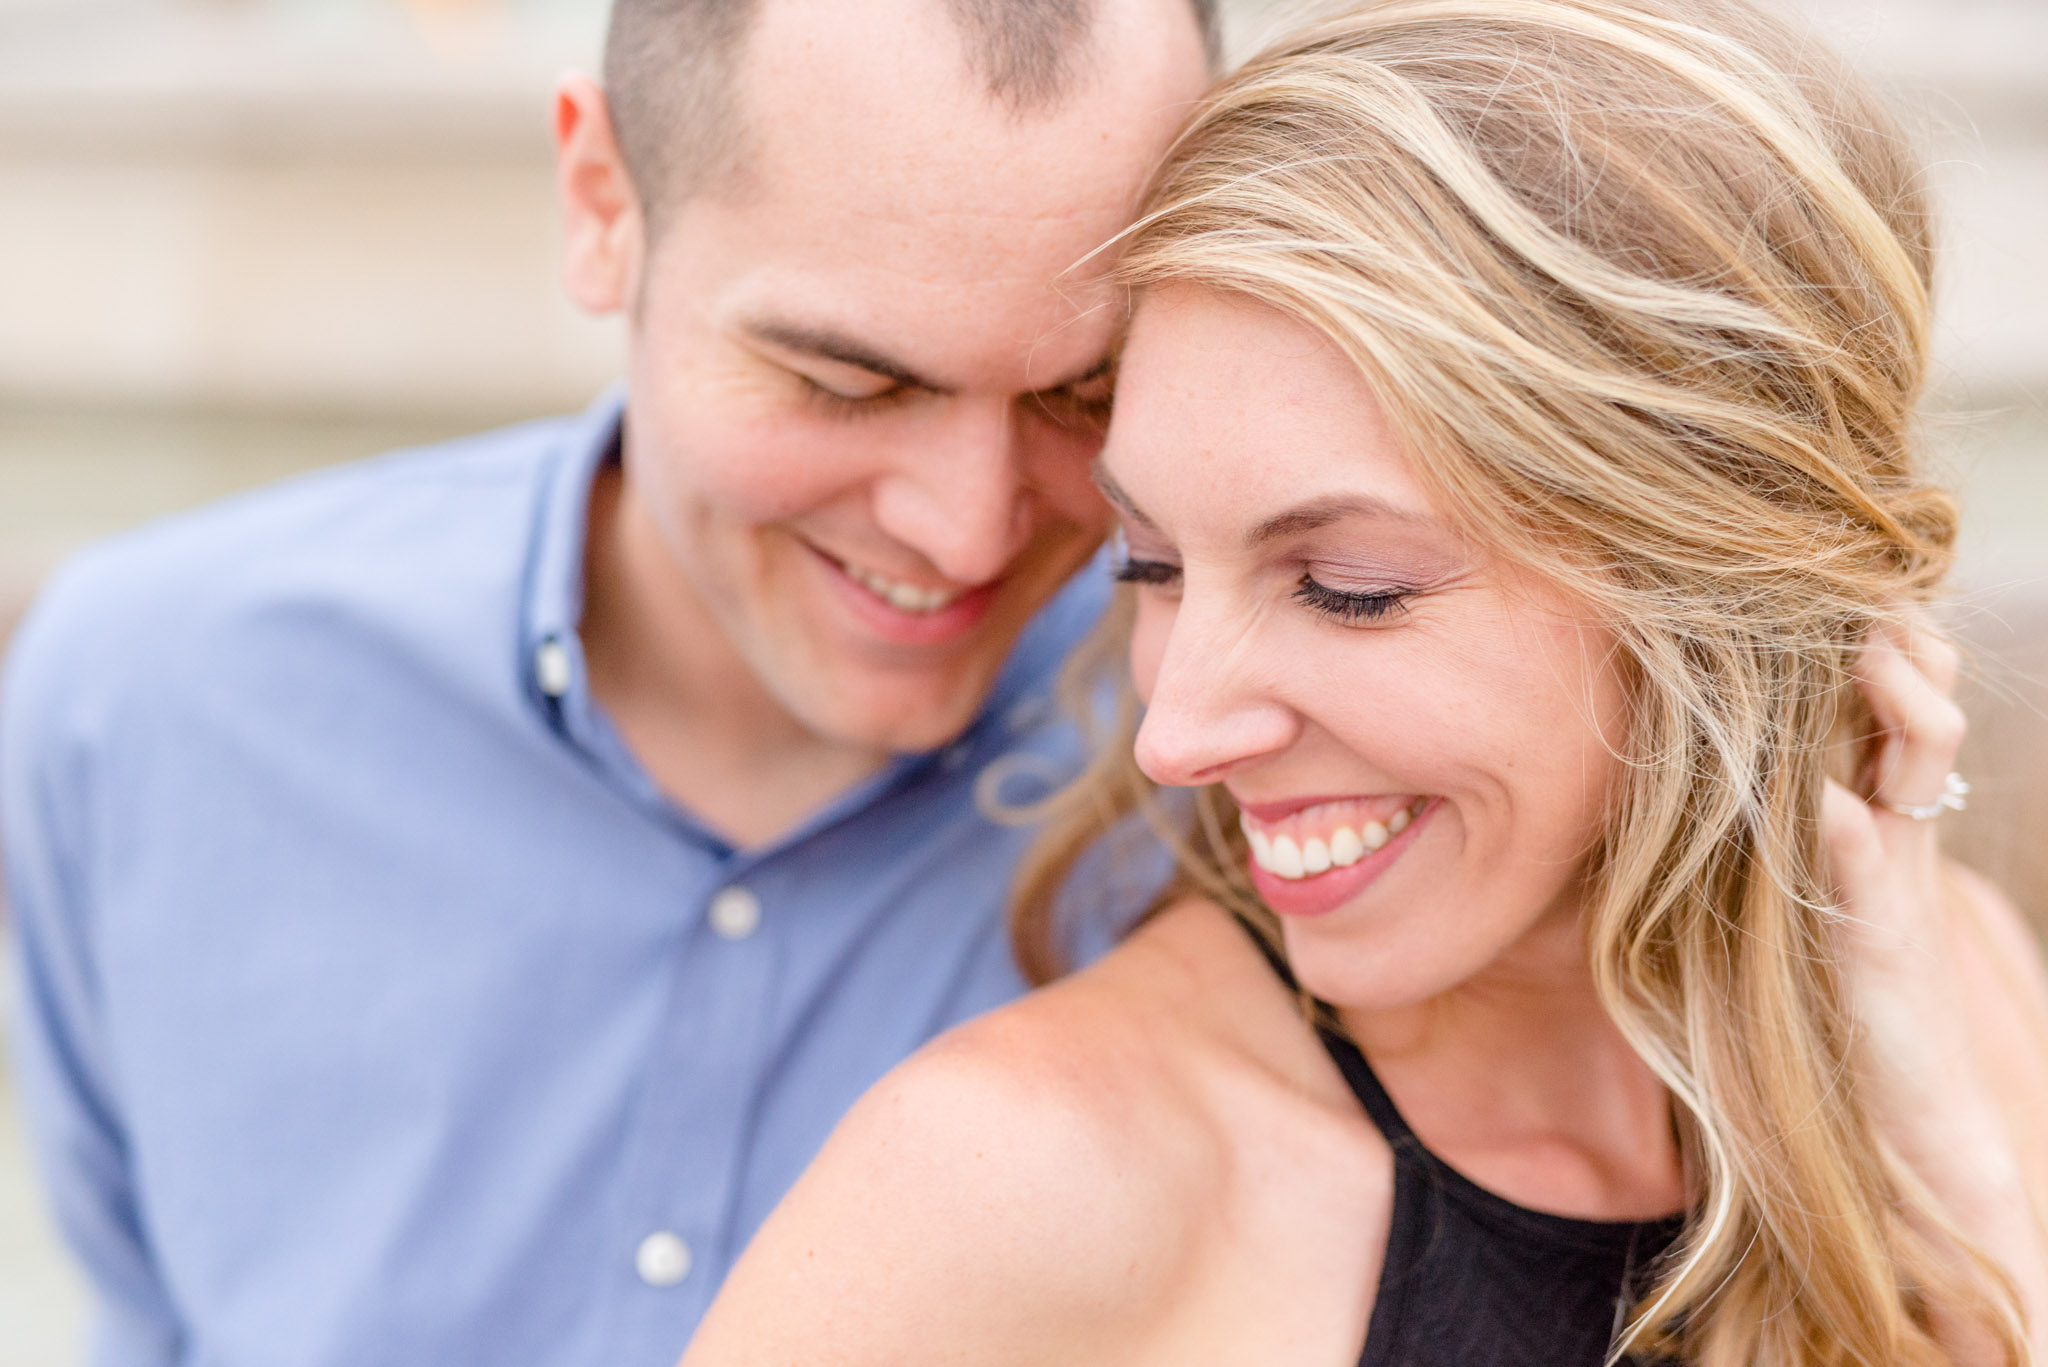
735, 913
662, 1259
551, 668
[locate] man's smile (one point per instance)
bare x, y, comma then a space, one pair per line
905, 613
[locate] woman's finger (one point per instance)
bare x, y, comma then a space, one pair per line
1931, 653
1856, 856
1865, 874
1923, 728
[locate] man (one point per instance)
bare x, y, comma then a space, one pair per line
458, 894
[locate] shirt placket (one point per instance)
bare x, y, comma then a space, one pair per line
671, 1239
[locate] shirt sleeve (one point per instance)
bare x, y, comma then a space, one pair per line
49, 761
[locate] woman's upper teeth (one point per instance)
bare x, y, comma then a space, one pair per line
903, 597
1316, 842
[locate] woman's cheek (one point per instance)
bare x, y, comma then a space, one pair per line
1148, 642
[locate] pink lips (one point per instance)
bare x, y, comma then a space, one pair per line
1325, 892
1274, 812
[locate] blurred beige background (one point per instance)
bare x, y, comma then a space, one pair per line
242, 238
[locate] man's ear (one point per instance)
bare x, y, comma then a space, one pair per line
603, 228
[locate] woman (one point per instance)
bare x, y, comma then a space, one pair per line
1514, 448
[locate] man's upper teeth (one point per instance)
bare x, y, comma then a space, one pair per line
1285, 857
903, 597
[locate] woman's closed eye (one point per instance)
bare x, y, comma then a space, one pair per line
1351, 606
1348, 606
1132, 569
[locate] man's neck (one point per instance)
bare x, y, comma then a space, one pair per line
689, 706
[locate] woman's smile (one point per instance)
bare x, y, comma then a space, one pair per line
1308, 859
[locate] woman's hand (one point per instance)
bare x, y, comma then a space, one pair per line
1936, 1017
1888, 876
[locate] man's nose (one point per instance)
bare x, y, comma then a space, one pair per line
959, 497
1217, 701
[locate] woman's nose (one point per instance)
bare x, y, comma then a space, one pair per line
1215, 704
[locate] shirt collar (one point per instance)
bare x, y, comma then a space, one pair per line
554, 586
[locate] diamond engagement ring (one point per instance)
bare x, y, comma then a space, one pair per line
1954, 797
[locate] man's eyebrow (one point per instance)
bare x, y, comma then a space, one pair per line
1321, 512
833, 346
1114, 492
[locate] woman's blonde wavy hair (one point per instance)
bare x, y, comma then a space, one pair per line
1646, 286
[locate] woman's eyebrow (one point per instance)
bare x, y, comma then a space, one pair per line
1307, 517
1114, 492
1321, 512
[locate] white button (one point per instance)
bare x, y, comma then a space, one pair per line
735, 913
663, 1259
551, 668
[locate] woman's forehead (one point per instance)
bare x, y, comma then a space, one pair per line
1231, 408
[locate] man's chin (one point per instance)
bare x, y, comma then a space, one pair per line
900, 720
859, 686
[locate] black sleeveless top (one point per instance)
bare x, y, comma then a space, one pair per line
1473, 1280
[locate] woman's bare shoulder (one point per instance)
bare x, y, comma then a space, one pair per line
1024, 1188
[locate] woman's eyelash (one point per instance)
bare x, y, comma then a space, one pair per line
1335, 603
1135, 571
1350, 607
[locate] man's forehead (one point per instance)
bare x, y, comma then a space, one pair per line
888, 199
877, 108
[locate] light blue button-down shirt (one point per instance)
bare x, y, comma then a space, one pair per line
375, 1007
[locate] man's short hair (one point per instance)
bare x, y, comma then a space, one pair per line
669, 67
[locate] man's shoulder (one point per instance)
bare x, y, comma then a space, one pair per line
396, 528
407, 503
